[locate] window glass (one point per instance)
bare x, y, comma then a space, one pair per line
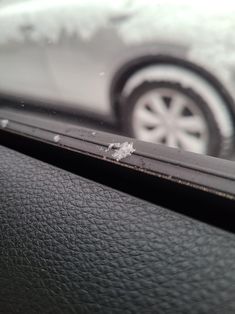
160, 71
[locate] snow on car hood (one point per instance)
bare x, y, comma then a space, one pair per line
45, 19
206, 25
166, 18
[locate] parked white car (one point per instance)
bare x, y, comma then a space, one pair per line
163, 70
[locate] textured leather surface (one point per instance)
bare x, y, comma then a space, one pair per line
68, 245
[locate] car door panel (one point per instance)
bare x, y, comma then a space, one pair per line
24, 71
70, 245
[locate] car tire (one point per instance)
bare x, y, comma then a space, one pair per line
209, 123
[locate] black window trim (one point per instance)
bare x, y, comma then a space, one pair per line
206, 173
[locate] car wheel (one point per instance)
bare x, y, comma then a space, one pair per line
175, 113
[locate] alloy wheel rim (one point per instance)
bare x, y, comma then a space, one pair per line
170, 117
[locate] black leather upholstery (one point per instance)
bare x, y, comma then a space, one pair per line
68, 245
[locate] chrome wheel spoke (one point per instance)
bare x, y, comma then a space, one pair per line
192, 124
177, 105
171, 140
147, 118
155, 135
159, 134
158, 105
190, 142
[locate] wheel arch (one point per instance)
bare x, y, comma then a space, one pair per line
127, 70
